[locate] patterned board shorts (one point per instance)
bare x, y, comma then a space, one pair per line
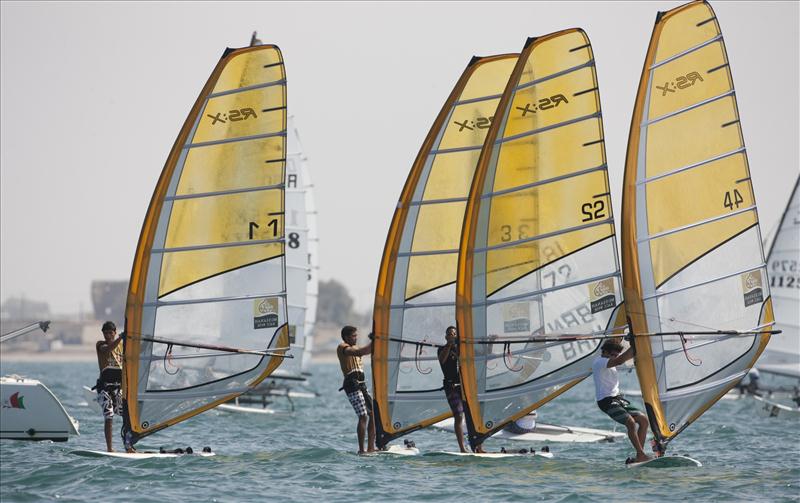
111, 402
618, 408
453, 393
361, 402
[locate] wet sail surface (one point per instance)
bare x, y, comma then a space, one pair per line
782, 354
539, 255
692, 254
207, 292
415, 297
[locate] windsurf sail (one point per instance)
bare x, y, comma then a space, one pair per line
695, 280
415, 296
206, 316
782, 354
538, 276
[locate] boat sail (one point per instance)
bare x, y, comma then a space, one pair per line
538, 276
695, 281
782, 354
312, 250
415, 296
206, 316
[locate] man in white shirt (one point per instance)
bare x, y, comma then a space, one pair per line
606, 386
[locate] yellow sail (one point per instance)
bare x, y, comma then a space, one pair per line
538, 277
415, 296
692, 255
206, 311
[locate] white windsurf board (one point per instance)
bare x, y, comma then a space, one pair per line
138, 455
667, 462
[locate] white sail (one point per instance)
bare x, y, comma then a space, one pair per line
782, 355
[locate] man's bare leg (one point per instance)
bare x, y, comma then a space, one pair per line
641, 422
633, 436
371, 433
107, 427
362, 425
458, 423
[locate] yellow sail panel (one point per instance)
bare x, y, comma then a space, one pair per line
692, 253
246, 113
206, 296
451, 175
672, 143
552, 101
230, 166
186, 267
524, 153
683, 28
537, 250
415, 299
252, 68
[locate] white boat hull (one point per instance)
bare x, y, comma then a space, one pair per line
30, 411
549, 433
769, 408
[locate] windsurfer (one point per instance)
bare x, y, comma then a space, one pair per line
354, 384
448, 360
606, 385
109, 393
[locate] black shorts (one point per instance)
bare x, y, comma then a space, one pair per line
618, 408
453, 393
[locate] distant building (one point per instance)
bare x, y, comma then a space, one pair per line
20, 308
108, 300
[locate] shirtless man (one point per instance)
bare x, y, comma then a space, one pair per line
354, 384
109, 394
606, 385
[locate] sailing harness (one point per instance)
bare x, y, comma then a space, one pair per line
110, 380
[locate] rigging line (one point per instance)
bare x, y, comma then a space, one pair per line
686, 352
168, 359
507, 358
417, 354
577, 337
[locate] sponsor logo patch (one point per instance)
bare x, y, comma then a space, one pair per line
517, 317
602, 295
752, 286
265, 313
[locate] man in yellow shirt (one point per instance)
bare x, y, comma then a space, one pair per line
354, 384
109, 392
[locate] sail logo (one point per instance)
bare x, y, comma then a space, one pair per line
602, 295
478, 123
543, 104
265, 313
232, 116
14, 402
752, 286
680, 82
517, 317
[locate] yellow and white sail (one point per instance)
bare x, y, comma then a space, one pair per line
206, 315
692, 258
782, 354
415, 296
538, 276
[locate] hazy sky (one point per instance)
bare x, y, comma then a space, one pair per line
93, 96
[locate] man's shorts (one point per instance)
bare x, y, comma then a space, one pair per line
453, 394
110, 402
361, 402
618, 408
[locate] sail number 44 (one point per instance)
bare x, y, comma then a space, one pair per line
733, 198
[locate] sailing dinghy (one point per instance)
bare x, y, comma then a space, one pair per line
415, 295
206, 317
695, 281
538, 277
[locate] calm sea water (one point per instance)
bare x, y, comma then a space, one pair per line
309, 455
